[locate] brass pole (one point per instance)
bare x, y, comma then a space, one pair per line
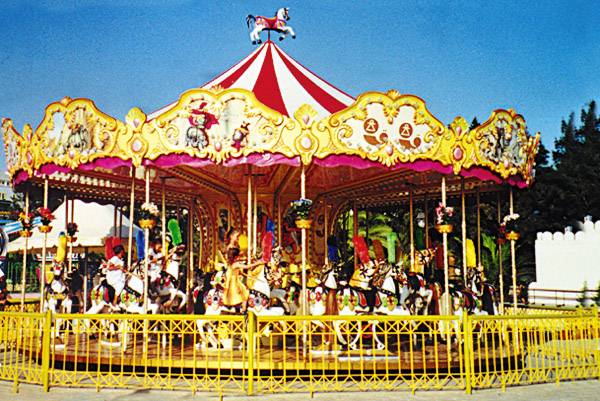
190, 274
71, 239
249, 213
412, 229
355, 231
478, 226
24, 267
426, 221
326, 231
44, 246
115, 219
201, 235
500, 272
163, 219
85, 279
131, 206
304, 294
463, 227
445, 244
513, 258
120, 223
279, 225
66, 201
147, 239
254, 219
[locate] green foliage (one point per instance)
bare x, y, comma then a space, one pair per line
597, 295
565, 191
582, 299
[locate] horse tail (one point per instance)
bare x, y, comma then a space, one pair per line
250, 18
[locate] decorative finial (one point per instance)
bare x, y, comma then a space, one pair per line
278, 24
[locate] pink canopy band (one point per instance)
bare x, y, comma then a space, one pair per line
269, 159
255, 159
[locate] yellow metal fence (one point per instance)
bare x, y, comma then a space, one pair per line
274, 354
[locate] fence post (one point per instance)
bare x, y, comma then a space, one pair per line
468, 351
46, 350
251, 333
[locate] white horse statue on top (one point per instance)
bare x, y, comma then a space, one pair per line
277, 24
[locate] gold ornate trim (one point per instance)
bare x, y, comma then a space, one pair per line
387, 128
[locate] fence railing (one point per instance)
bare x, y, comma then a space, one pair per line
558, 297
274, 354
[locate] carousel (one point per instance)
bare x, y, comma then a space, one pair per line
247, 183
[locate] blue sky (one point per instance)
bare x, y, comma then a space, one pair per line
466, 58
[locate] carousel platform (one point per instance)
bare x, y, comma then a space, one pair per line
106, 355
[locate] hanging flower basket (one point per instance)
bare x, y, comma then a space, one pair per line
300, 210
72, 229
512, 236
45, 229
26, 220
46, 217
26, 233
444, 215
303, 223
444, 228
147, 223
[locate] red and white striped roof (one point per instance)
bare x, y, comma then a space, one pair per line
279, 82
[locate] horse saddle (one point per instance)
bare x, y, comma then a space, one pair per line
106, 295
366, 300
359, 281
272, 23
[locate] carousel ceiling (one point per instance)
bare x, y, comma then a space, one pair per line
264, 117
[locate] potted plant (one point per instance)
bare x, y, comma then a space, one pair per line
300, 209
509, 226
26, 220
148, 214
46, 217
443, 218
72, 229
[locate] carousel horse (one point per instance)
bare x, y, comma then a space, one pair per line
57, 291
414, 283
165, 290
259, 303
358, 297
484, 291
278, 24
460, 300
387, 290
130, 301
451, 305
322, 290
58, 298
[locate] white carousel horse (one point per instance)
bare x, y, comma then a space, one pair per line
165, 288
259, 303
414, 282
277, 24
458, 302
387, 300
58, 298
130, 301
484, 291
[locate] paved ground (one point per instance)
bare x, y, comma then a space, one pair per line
572, 391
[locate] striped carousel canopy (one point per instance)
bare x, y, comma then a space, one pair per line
279, 82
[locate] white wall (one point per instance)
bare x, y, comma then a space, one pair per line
565, 260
